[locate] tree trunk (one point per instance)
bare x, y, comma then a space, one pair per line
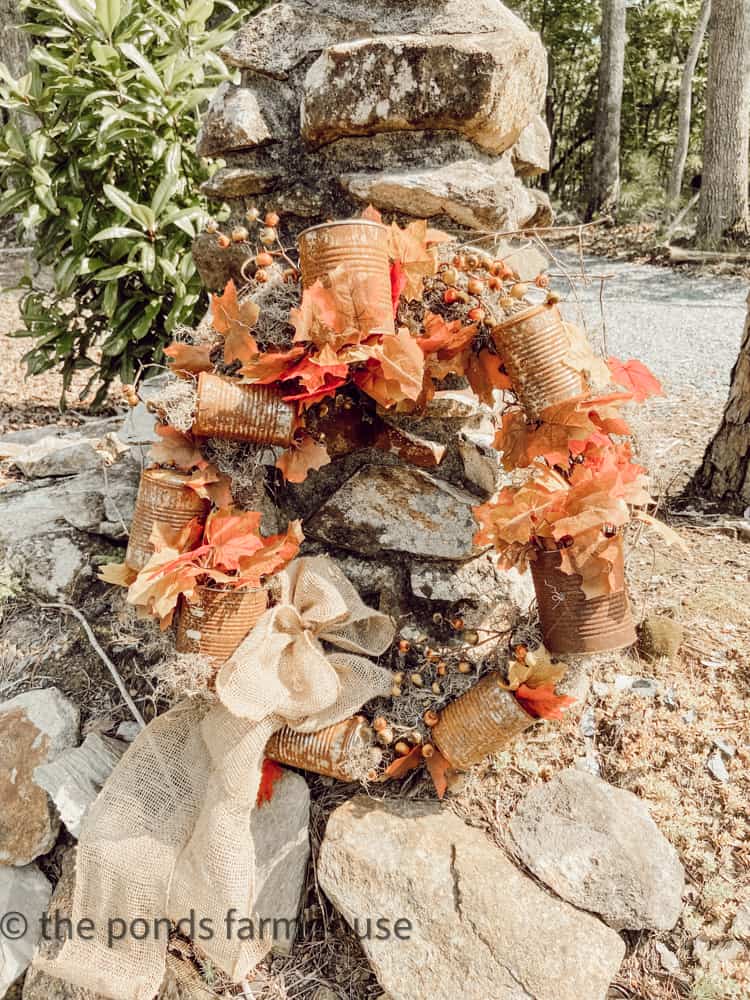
725, 473
14, 44
605, 177
723, 205
686, 102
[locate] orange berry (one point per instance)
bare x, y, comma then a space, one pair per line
271, 219
477, 315
404, 646
519, 290
542, 281
475, 286
450, 295
223, 241
261, 276
264, 259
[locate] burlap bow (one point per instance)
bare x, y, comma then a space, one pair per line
169, 836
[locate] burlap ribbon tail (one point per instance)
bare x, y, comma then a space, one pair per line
169, 836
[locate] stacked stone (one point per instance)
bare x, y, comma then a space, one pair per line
427, 109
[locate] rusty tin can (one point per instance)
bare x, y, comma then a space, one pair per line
570, 622
218, 621
330, 751
534, 346
227, 408
163, 499
479, 723
361, 246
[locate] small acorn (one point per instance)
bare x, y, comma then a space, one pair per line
379, 724
435, 688
464, 667
212, 226
417, 680
395, 691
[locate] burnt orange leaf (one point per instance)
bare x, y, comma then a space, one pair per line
120, 574
212, 485
372, 214
277, 552
188, 359
314, 376
636, 377
445, 339
412, 247
176, 448
401, 766
301, 458
271, 772
485, 375
265, 369
542, 702
438, 767
234, 320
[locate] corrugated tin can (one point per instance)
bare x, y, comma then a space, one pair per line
534, 347
163, 499
341, 751
361, 246
218, 621
570, 622
227, 408
479, 723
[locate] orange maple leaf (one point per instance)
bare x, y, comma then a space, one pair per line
119, 574
636, 377
314, 376
188, 359
234, 320
271, 772
445, 339
270, 367
542, 702
176, 448
438, 767
396, 370
303, 456
213, 485
485, 375
413, 248
401, 766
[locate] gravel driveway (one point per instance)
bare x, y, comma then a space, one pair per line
686, 327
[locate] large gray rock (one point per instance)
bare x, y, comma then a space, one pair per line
35, 728
280, 832
597, 847
74, 779
51, 566
278, 39
24, 892
58, 456
99, 501
478, 581
471, 925
397, 509
531, 153
245, 117
487, 87
476, 194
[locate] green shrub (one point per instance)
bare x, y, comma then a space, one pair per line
105, 180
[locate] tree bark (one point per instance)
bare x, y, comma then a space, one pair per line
725, 473
723, 207
605, 177
686, 102
14, 44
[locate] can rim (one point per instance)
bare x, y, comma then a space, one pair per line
208, 588
166, 477
524, 314
341, 222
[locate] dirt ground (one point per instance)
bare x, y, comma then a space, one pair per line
657, 745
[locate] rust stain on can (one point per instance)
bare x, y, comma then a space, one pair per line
361, 246
227, 408
534, 347
479, 723
163, 499
327, 752
218, 621
570, 622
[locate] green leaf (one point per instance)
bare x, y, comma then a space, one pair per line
117, 233
108, 14
149, 73
163, 194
